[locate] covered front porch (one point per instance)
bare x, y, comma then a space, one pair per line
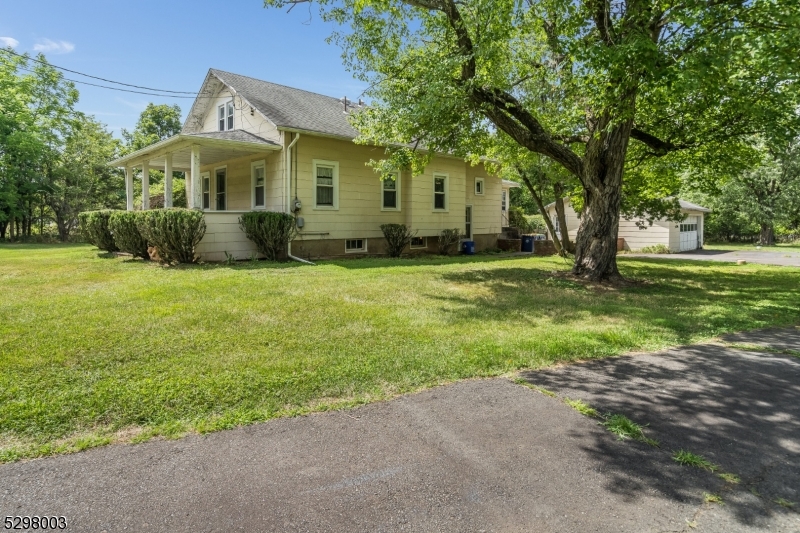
227, 173
188, 153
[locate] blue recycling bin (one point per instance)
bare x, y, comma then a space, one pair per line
468, 247
527, 243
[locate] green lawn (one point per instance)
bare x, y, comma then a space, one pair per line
96, 349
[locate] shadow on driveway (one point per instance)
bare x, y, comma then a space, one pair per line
739, 409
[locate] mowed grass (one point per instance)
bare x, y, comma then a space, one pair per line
96, 349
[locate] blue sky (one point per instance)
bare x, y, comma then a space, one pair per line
171, 44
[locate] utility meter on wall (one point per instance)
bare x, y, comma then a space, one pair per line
297, 205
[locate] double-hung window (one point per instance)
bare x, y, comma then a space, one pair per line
440, 192
326, 184
259, 185
390, 188
220, 175
225, 116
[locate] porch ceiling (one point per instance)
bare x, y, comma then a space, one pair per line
214, 148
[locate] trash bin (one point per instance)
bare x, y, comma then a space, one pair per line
468, 247
527, 243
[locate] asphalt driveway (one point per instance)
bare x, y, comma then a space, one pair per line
781, 258
481, 455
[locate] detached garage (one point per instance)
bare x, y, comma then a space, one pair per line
677, 236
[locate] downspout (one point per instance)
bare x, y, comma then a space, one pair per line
287, 189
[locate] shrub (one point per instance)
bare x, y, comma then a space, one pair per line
536, 224
398, 236
94, 226
447, 239
271, 231
516, 219
123, 226
173, 232
655, 249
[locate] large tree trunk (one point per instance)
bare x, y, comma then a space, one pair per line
767, 237
596, 243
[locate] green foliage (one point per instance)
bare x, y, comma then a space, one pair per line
516, 219
156, 123
656, 249
625, 428
53, 158
124, 226
272, 232
175, 233
683, 457
536, 224
582, 407
398, 236
448, 238
95, 229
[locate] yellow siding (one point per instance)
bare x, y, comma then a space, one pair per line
239, 181
242, 118
224, 235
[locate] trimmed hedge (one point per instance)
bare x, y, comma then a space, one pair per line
124, 228
271, 232
94, 227
398, 236
175, 233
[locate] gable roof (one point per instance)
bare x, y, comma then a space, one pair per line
287, 107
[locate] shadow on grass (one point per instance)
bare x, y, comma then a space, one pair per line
740, 410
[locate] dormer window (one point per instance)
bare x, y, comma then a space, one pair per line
225, 116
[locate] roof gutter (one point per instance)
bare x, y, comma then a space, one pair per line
287, 189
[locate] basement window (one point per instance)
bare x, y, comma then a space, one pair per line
419, 242
355, 245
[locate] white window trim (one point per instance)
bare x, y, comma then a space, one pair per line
397, 181
205, 175
446, 192
419, 246
253, 166
482, 181
213, 189
335, 165
356, 250
224, 107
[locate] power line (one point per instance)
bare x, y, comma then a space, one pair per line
99, 78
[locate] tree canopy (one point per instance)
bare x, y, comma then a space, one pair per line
596, 86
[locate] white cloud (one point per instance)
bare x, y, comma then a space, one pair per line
55, 47
9, 41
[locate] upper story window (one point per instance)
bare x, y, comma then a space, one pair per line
479, 186
390, 187
440, 192
225, 116
326, 184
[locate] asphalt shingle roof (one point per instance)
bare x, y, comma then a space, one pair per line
289, 107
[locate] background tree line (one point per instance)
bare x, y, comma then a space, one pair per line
54, 158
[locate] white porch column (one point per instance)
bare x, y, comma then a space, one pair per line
129, 188
145, 185
197, 191
168, 181
187, 179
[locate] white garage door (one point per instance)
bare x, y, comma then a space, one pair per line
689, 234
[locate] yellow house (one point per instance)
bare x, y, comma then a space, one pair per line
250, 145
